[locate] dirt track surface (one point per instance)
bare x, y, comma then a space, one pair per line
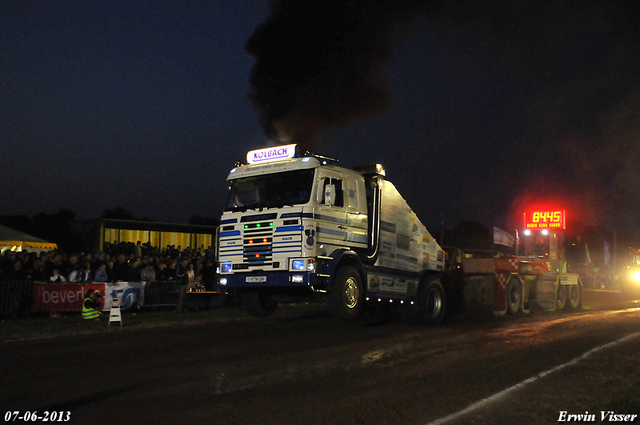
302, 367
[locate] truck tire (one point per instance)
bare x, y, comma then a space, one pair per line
258, 304
574, 297
514, 296
561, 302
432, 302
346, 295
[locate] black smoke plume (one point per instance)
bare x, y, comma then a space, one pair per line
320, 64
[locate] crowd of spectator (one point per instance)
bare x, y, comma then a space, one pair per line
124, 261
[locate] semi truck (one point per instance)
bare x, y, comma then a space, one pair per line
299, 226
539, 276
500, 285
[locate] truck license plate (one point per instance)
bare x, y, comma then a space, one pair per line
254, 279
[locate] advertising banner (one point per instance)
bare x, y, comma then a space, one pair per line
130, 294
502, 237
60, 297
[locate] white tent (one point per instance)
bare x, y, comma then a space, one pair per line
15, 240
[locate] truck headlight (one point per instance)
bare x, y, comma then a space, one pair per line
635, 276
223, 281
304, 264
225, 267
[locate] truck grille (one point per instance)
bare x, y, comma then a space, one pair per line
257, 243
258, 246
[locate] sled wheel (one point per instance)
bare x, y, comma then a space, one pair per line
561, 302
514, 296
574, 296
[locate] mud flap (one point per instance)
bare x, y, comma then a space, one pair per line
546, 292
479, 295
500, 294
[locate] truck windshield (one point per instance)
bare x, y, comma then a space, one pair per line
270, 190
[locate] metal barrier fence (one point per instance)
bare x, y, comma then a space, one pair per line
157, 294
16, 297
165, 294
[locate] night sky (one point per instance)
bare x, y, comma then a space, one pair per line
476, 110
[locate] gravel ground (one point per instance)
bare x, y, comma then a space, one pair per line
301, 366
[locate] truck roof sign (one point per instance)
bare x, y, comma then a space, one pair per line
276, 153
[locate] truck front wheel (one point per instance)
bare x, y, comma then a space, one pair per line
432, 302
346, 295
258, 304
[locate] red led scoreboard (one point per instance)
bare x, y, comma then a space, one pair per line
545, 219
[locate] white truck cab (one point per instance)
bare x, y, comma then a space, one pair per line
301, 226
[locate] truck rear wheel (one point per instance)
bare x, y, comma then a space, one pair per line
561, 302
258, 304
432, 302
573, 296
514, 296
346, 295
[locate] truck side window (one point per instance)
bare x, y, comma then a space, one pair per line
369, 187
452, 258
339, 192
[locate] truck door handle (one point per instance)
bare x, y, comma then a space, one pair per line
342, 227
